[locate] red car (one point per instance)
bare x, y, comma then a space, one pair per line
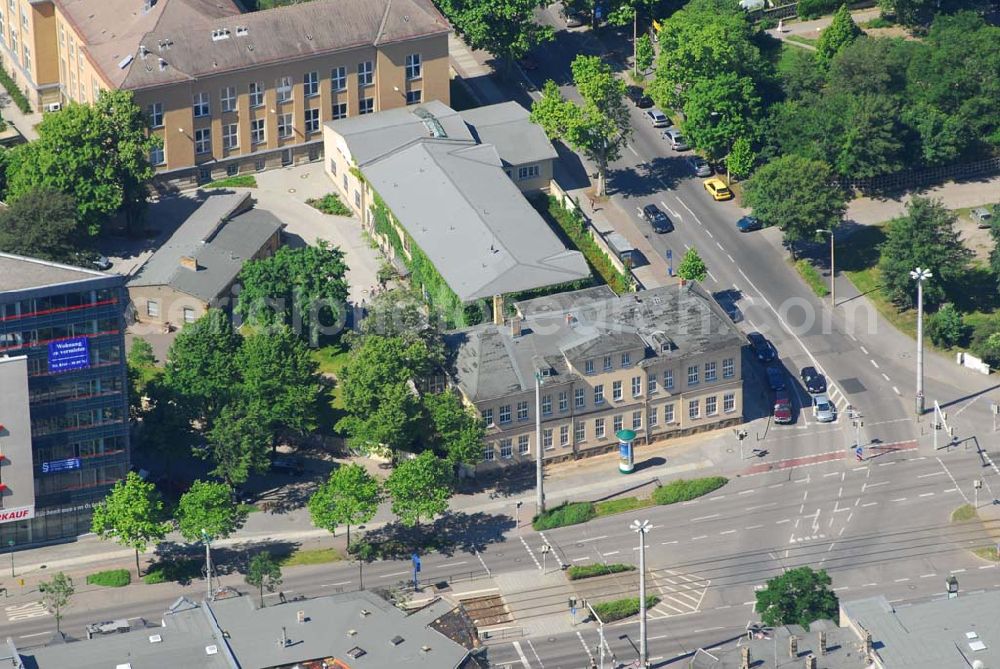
782, 408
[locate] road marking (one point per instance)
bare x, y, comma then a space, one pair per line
924, 476
873, 485
520, 653
634, 153
528, 548
869, 504
714, 497
830, 474
898, 499
667, 543
535, 653
896, 390
775, 485
886, 464
957, 571
449, 563
710, 234
714, 515
928, 575
611, 553
874, 363
886, 376
951, 489
721, 248
672, 212
687, 246
730, 258
926, 494
728, 532
712, 276
747, 492
331, 585
395, 573
779, 522
863, 350
901, 580
586, 647
953, 481
579, 559
583, 541
988, 566
753, 527
26, 611
28, 636
704, 536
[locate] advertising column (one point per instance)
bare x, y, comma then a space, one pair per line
626, 452
17, 481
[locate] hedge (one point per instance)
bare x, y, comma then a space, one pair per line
575, 573
683, 491
16, 94
622, 608
563, 515
812, 9
183, 570
113, 578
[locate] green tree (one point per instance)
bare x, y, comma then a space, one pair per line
263, 572
915, 13
741, 158
166, 429
42, 224
868, 142
239, 442
208, 507
798, 195
868, 65
296, 287
142, 369
363, 552
798, 74
800, 596
995, 251
420, 488
349, 497
505, 28
599, 127
644, 54
719, 110
132, 515
456, 430
56, 595
401, 313
946, 327
141, 353
97, 152
841, 32
392, 425
692, 267
925, 236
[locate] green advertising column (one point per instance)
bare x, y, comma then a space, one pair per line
626, 452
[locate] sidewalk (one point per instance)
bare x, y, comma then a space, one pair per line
814, 27
25, 123
955, 195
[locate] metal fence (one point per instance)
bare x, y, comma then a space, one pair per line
924, 177
501, 633
792, 9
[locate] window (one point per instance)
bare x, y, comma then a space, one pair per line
546, 405
203, 140
607, 363
227, 99
366, 73
636, 386
156, 156
636, 420
626, 359
654, 417
345, 181
564, 435
414, 96
230, 136
366, 105
651, 386
357, 199
579, 398
283, 89
694, 409
580, 434
62, 35
256, 91
312, 121
710, 372
338, 79
257, 131
563, 401
729, 402
413, 67
522, 445
204, 174
333, 167
522, 411
668, 379
668, 413
599, 394
339, 110
488, 453
188, 315
506, 451
693, 375
588, 367
24, 19
27, 57
155, 113
616, 391
259, 164
284, 125
201, 105
152, 308
728, 368
617, 423
232, 169
527, 172
599, 428
487, 415
505, 414
711, 407
546, 439
310, 84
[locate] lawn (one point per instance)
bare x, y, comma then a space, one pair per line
311, 556
331, 360
812, 277
239, 181
802, 39
113, 578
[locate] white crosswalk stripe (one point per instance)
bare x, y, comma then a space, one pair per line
679, 593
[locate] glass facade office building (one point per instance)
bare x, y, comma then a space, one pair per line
69, 322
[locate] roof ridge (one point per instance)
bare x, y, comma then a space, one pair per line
381, 25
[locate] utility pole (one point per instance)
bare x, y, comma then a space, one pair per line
976, 487
641, 528
858, 424
741, 435
600, 632
920, 275
833, 266
539, 491
205, 537
517, 516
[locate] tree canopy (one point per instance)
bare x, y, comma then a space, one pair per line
718, 111
505, 28
43, 223
841, 32
800, 596
692, 267
420, 488
200, 365
741, 158
132, 515
56, 595
455, 429
349, 497
208, 508
263, 573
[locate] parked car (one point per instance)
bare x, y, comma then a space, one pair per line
108, 627
675, 139
718, 189
749, 224
657, 118
700, 166
573, 18
982, 216
656, 218
814, 382
638, 97
762, 348
823, 409
782, 411
286, 465
776, 377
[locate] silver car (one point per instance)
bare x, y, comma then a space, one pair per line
700, 166
823, 409
658, 118
676, 139
982, 217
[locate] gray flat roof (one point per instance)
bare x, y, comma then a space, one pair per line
508, 127
20, 273
774, 652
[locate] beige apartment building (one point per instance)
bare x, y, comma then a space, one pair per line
662, 363
230, 92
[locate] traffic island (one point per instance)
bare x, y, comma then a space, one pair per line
967, 514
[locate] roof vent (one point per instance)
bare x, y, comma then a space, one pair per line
352, 632
125, 62
356, 652
163, 65
220, 33
250, 47
143, 51
123, 666
300, 617
425, 649
396, 640
155, 638
211, 650
242, 31
365, 613
165, 44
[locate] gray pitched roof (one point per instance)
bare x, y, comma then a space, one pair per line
20, 272
489, 362
508, 127
219, 237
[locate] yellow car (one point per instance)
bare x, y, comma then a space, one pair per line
718, 189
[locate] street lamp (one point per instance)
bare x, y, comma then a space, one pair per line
10, 545
641, 528
920, 275
539, 491
205, 537
833, 267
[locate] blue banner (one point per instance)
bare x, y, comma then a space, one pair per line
69, 354
60, 465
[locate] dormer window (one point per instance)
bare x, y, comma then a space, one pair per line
220, 34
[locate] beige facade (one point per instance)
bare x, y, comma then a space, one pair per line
28, 48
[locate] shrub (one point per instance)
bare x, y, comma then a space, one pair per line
878, 22
572, 224
330, 204
113, 578
622, 608
564, 514
16, 94
683, 491
768, 23
575, 573
946, 327
811, 9
182, 570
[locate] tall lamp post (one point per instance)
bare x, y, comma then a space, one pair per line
833, 267
920, 275
539, 491
206, 537
641, 528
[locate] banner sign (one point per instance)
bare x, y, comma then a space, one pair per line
60, 465
17, 513
69, 354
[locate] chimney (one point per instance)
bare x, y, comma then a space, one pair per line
745, 657
189, 262
515, 326
822, 643
793, 646
811, 662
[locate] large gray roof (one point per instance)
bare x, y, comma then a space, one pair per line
20, 273
489, 362
508, 127
931, 635
219, 237
773, 652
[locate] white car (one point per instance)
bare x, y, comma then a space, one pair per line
658, 118
823, 409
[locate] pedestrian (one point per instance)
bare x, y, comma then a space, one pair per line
781, 26
590, 198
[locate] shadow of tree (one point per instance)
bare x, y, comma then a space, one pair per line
183, 563
451, 533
